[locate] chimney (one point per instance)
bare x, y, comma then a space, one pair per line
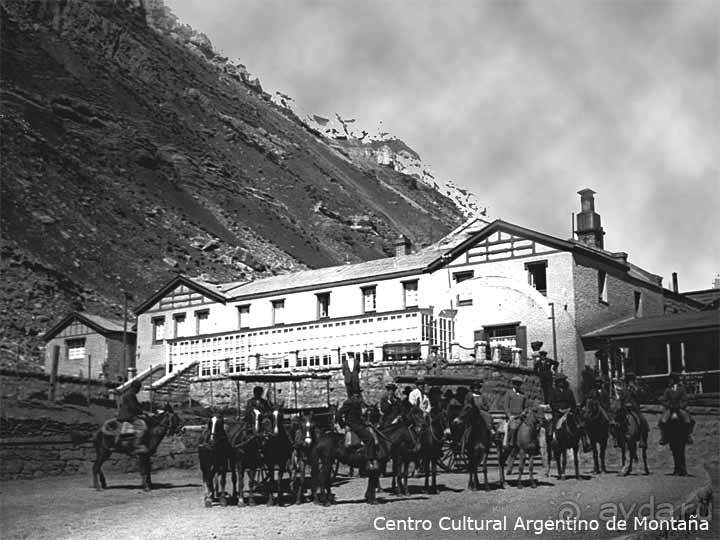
402, 246
675, 282
589, 229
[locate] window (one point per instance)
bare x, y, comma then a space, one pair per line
602, 287
243, 316
459, 277
180, 325
369, 299
75, 349
158, 329
537, 275
278, 311
202, 322
410, 293
323, 305
638, 304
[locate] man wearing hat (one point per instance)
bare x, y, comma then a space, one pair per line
675, 399
481, 402
514, 405
418, 398
562, 401
389, 401
351, 414
351, 375
129, 416
545, 367
599, 394
630, 400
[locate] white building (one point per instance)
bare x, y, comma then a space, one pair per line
487, 288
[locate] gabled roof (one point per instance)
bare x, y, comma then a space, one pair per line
334, 275
660, 324
102, 325
705, 296
214, 291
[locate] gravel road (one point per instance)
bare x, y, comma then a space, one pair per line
68, 508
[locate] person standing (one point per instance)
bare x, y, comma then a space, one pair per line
545, 368
351, 375
514, 404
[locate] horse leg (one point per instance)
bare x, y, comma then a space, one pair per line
98, 476
241, 482
426, 469
576, 463
603, 449
486, 485
596, 458
300, 479
531, 459
558, 459
644, 458
434, 488
521, 466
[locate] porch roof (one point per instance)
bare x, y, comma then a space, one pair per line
659, 325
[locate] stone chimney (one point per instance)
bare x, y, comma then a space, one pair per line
675, 282
403, 246
589, 230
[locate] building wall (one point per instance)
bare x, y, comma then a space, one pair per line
95, 350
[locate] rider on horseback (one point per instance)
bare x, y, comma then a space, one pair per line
675, 399
389, 404
259, 403
129, 416
630, 400
562, 400
482, 403
599, 394
418, 398
351, 414
514, 406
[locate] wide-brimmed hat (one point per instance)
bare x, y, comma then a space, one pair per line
543, 353
407, 390
391, 386
517, 379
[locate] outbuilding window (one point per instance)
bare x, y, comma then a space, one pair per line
75, 349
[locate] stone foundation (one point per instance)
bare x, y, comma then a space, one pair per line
221, 391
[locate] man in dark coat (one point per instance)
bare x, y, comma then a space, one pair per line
514, 405
562, 401
675, 399
129, 415
587, 381
481, 402
545, 367
257, 402
351, 415
630, 400
599, 394
351, 375
389, 404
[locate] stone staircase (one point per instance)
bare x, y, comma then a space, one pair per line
174, 387
146, 378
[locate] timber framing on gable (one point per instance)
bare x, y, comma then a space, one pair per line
180, 292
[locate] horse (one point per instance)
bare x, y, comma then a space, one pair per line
166, 422
431, 446
216, 457
629, 433
477, 441
395, 442
676, 433
276, 454
597, 428
304, 437
527, 438
247, 444
567, 437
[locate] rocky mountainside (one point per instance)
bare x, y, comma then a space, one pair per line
132, 151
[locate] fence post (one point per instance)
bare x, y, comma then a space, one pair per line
89, 379
54, 372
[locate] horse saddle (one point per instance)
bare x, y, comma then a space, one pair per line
116, 428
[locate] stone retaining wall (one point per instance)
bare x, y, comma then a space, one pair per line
22, 385
34, 457
221, 391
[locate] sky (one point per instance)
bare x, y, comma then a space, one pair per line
522, 102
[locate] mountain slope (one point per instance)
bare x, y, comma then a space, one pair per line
130, 152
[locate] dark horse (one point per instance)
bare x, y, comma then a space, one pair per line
567, 437
276, 454
677, 432
597, 428
166, 422
629, 434
477, 441
247, 444
431, 445
216, 457
304, 439
396, 441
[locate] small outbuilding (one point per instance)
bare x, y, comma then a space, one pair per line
90, 346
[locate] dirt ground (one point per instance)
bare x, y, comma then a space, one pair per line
67, 507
